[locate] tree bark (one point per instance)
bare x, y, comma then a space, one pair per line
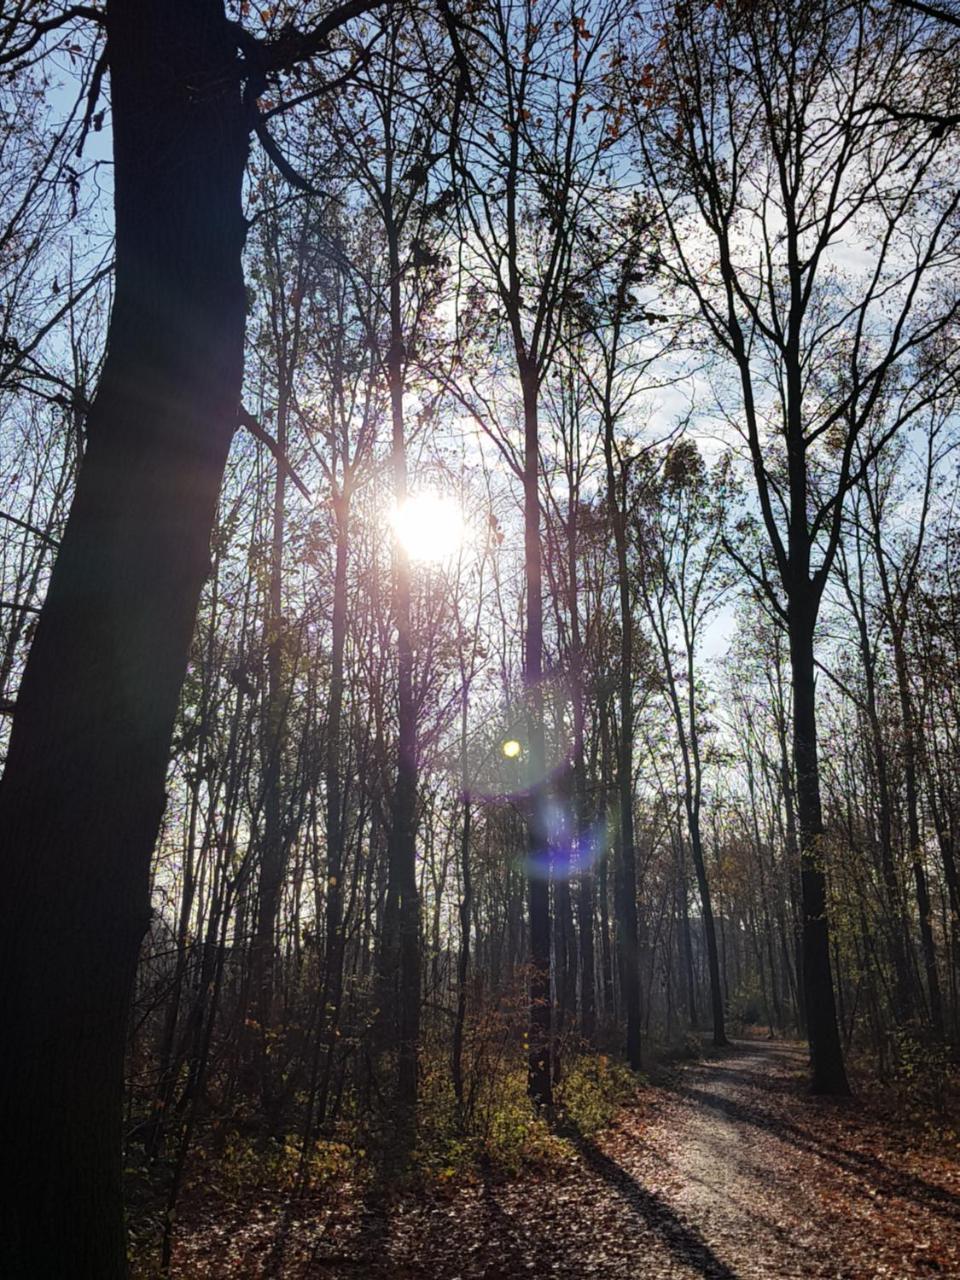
828, 1071
83, 790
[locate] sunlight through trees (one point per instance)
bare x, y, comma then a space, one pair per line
478, 612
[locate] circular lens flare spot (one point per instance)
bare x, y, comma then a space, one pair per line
511, 749
430, 527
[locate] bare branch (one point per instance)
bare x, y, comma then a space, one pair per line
246, 419
40, 29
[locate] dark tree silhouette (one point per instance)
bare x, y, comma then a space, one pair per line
83, 788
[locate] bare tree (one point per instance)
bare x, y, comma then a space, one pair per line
684, 575
83, 788
761, 121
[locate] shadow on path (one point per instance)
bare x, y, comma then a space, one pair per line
683, 1241
851, 1160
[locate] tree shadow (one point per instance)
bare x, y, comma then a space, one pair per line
683, 1241
516, 1261
759, 1081
365, 1250
858, 1163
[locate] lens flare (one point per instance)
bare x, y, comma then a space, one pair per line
558, 853
430, 527
502, 765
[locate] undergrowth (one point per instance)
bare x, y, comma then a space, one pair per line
505, 1134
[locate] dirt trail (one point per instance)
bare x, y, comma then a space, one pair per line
732, 1173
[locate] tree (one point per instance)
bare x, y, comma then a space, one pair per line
761, 119
83, 788
897, 571
527, 165
684, 575
390, 142
615, 347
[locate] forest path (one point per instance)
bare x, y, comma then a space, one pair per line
729, 1172
732, 1173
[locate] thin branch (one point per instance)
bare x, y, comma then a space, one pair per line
246, 419
939, 122
931, 11
283, 165
30, 528
17, 607
40, 29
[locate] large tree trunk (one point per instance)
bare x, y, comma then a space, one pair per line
83, 790
828, 1072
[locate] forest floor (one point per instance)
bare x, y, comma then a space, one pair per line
728, 1170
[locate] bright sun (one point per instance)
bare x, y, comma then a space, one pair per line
430, 527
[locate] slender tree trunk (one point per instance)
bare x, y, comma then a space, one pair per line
709, 930
606, 955
581, 818
792, 844
565, 963
332, 988
539, 1074
938, 814
169, 1064
565, 934
626, 888
910, 771
686, 941
402, 852
688, 730
83, 790
273, 851
899, 946
585, 910
627, 925
465, 908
